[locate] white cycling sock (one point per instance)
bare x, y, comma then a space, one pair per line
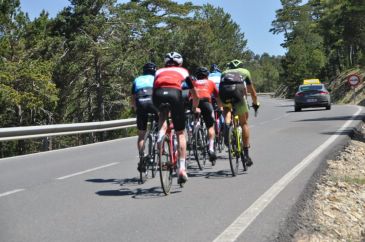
182, 164
211, 144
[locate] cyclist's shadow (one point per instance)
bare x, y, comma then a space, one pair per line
137, 193
221, 174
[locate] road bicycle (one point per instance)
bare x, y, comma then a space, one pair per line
189, 128
168, 153
218, 128
235, 145
147, 162
199, 142
196, 139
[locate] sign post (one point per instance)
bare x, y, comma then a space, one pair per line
353, 80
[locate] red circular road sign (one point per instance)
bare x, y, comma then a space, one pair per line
353, 80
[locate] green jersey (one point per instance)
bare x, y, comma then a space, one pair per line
236, 76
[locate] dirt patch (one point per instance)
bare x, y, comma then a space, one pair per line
336, 211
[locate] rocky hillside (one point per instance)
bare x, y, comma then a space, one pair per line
341, 91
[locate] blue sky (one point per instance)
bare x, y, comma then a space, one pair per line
253, 16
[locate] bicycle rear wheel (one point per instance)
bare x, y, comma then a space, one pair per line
165, 165
219, 140
200, 147
232, 151
151, 162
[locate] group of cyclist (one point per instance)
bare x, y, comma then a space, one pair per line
165, 85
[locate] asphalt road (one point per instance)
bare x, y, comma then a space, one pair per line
91, 193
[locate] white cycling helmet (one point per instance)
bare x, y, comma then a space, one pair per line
173, 59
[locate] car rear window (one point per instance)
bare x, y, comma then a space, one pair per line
310, 88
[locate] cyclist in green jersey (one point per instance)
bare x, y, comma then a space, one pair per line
235, 83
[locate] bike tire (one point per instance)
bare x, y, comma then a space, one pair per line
241, 155
151, 164
232, 151
220, 140
199, 147
165, 165
144, 157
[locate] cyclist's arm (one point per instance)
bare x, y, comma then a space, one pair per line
251, 88
252, 91
189, 83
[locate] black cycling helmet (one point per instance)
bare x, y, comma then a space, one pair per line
173, 59
149, 68
201, 73
234, 64
214, 68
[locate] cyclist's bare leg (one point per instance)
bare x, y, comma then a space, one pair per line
227, 115
245, 129
245, 137
141, 134
211, 136
183, 177
162, 125
182, 144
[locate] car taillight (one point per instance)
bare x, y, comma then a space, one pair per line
299, 94
323, 93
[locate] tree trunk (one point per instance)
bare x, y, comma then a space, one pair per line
99, 94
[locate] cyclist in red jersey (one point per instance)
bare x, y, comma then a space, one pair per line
167, 89
205, 88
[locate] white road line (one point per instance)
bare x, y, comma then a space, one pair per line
245, 219
10, 192
86, 171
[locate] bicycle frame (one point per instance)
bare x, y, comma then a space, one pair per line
237, 133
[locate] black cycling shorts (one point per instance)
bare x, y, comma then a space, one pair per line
173, 97
231, 93
207, 112
144, 107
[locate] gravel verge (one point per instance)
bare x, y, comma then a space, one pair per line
332, 207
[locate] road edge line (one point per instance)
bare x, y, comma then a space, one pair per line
235, 229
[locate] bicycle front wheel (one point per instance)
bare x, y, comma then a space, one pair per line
165, 165
232, 151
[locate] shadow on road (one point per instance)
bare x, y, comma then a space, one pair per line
138, 193
223, 174
359, 117
307, 110
126, 181
285, 106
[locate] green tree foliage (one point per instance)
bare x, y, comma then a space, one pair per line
27, 94
323, 37
79, 65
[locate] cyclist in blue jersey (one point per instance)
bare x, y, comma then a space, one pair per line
215, 74
142, 100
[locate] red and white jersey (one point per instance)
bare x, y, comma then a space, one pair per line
170, 77
205, 88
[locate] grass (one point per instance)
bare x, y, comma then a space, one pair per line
354, 180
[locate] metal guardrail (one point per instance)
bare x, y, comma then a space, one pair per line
29, 132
